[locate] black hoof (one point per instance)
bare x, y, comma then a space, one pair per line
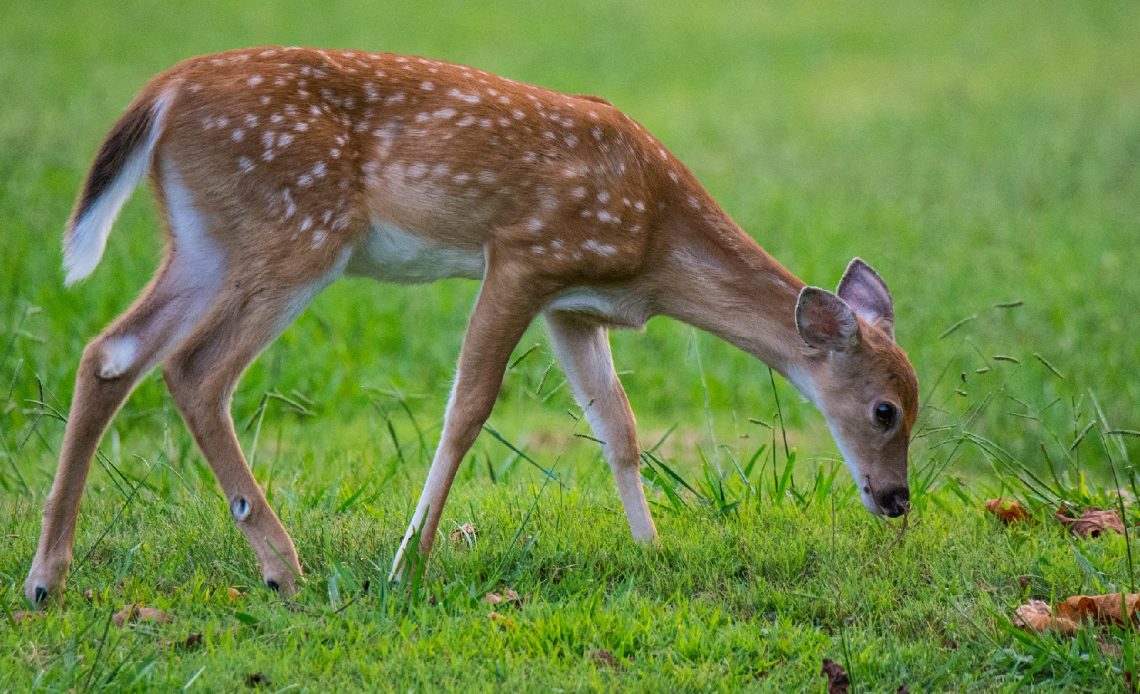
274, 586
41, 595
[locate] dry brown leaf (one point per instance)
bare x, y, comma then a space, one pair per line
1101, 608
1036, 615
1007, 510
23, 616
191, 642
1092, 522
134, 613
463, 536
1108, 648
508, 597
233, 593
500, 620
603, 658
837, 680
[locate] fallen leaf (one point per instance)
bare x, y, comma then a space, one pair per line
500, 620
603, 658
510, 597
837, 680
190, 643
134, 613
463, 536
89, 595
1101, 608
1007, 510
1092, 522
233, 593
23, 616
1036, 615
1110, 649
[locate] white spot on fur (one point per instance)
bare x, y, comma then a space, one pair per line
602, 249
427, 86
255, 80
468, 98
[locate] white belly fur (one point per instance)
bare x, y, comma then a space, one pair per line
391, 254
615, 309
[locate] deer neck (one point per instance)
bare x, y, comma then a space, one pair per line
720, 280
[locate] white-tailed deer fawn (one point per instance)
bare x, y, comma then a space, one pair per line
280, 169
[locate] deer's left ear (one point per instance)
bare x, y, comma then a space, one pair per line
867, 294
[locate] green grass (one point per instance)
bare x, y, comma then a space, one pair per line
976, 153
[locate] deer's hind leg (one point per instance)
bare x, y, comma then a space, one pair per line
112, 364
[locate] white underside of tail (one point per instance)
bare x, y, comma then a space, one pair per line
83, 246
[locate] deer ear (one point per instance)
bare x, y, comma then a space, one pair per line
867, 294
825, 321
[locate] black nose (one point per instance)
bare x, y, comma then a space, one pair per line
894, 502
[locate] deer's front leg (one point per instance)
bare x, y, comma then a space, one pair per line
583, 350
506, 306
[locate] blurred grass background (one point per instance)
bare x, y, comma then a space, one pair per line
975, 153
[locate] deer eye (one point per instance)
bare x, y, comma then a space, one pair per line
885, 415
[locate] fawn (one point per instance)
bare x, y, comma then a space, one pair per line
278, 170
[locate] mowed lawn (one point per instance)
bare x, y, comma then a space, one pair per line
984, 157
